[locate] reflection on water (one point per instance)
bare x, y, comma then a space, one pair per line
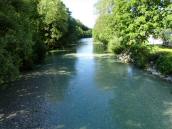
86, 90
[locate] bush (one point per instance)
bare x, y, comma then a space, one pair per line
9, 66
39, 52
115, 45
140, 55
164, 63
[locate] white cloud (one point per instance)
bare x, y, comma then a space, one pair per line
83, 10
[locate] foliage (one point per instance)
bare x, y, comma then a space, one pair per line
18, 20
58, 27
104, 6
164, 63
76, 30
141, 55
82, 30
115, 46
162, 59
126, 26
167, 37
28, 28
55, 21
103, 31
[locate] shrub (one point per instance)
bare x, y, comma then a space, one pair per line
140, 55
164, 63
115, 45
39, 52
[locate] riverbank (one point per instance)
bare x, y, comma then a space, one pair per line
159, 62
85, 90
158, 74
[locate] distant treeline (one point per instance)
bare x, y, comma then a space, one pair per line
28, 28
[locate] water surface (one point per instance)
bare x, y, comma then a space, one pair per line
86, 90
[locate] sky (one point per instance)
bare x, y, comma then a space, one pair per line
83, 10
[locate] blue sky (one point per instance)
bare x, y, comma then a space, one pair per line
83, 10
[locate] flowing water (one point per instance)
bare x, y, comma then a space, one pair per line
85, 90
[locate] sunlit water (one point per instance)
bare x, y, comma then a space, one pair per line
85, 90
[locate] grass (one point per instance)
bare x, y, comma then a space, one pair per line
162, 49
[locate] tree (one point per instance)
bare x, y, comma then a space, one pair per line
28, 28
131, 23
55, 21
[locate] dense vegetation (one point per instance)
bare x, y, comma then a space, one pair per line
28, 28
125, 26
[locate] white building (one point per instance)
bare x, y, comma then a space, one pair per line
154, 41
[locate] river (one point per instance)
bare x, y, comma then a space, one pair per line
86, 90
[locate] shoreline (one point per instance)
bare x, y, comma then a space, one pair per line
154, 72
125, 58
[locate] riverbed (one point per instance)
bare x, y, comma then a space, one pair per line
86, 89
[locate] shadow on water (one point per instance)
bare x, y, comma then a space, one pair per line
86, 90
24, 104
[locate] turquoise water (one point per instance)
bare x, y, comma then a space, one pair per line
85, 90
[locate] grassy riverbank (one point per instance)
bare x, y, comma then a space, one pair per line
163, 59
147, 56
126, 27
158, 57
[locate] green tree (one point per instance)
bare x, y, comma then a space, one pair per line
28, 28
55, 21
132, 22
18, 21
